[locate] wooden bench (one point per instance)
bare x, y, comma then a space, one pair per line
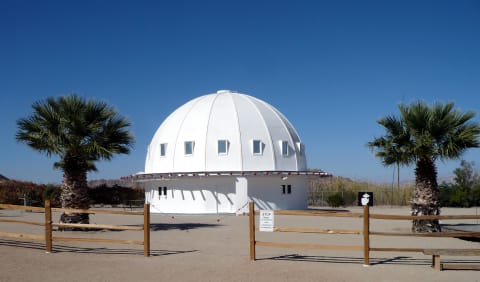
436, 253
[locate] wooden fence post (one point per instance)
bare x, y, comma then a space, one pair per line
146, 230
251, 216
48, 227
366, 235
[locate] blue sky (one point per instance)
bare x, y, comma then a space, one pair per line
332, 67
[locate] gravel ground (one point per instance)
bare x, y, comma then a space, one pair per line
216, 248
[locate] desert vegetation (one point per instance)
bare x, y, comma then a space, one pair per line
14, 192
463, 191
343, 192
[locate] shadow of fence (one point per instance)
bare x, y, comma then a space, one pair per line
398, 260
87, 250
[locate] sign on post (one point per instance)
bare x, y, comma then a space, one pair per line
365, 199
266, 221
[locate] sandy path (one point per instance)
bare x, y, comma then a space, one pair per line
215, 248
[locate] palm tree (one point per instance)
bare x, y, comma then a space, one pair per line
80, 132
428, 133
390, 147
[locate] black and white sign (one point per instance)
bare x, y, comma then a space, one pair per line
365, 199
266, 221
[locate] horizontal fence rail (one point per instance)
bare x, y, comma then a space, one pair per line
15, 207
436, 234
97, 240
22, 221
315, 230
316, 213
96, 211
366, 216
420, 217
99, 226
48, 224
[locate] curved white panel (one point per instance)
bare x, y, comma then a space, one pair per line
239, 119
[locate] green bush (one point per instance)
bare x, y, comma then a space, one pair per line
460, 198
336, 200
350, 198
13, 191
52, 193
454, 195
445, 194
475, 196
115, 195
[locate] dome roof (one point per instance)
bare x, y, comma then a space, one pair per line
225, 131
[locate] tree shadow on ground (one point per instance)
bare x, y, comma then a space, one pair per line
83, 250
470, 239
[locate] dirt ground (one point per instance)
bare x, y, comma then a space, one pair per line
216, 248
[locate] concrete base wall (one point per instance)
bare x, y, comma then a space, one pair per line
225, 194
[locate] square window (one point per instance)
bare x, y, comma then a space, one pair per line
223, 147
189, 147
257, 147
163, 149
284, 148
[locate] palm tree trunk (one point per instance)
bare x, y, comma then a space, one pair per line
426, 196
75, 195
398, 178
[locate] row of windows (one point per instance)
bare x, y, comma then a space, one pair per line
223, 147
285, 189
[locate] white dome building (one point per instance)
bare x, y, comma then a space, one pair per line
219, 151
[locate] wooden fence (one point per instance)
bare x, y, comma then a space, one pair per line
366, 216
49, 238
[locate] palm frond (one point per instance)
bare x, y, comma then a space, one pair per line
75, 129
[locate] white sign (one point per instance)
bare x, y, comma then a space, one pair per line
266, 220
